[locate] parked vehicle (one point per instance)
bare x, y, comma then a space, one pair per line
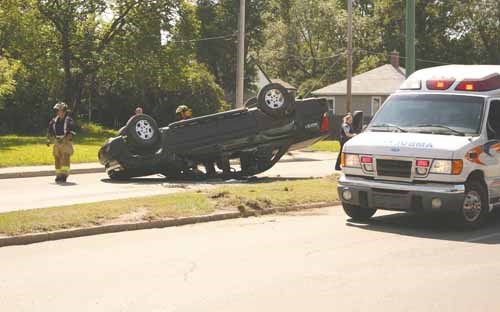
257, 136
433, 146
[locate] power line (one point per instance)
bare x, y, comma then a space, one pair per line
311, 58
226, 37
403, 57
324, 75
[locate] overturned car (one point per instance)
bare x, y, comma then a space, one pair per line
257, 135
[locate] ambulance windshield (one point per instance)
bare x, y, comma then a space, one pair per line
430, 113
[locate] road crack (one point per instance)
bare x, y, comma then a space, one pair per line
191, 269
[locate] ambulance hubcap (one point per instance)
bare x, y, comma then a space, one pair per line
472, 206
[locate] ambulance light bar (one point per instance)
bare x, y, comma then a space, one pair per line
443, 84
489, 83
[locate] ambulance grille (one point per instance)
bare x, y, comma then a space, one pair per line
394, 168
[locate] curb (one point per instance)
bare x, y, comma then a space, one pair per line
46, 173
116, 228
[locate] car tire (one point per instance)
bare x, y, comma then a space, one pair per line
142, 131
475, 208
118, 175
275, 100
358, 213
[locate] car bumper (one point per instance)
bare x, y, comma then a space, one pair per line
400, 196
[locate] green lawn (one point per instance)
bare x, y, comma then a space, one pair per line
263, 194
17, 150
92, 214
326, 146
277, 194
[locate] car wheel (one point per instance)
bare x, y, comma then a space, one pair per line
475, 208
358, 213
143, 131
275, 100
118, 175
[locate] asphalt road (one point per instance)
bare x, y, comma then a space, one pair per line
28, 193
310, 261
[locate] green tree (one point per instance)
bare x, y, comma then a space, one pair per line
164, 76
83, 34
474, 31
307, 42
8, 69
220, 18
28, 39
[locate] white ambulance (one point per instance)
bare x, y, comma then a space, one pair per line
433, 146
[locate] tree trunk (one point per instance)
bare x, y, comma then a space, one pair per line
76, 92
66, 59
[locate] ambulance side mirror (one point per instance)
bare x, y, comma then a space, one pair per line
357, 121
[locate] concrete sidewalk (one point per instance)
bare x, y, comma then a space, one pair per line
42, 171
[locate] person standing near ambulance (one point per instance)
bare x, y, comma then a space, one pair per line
60, 132
346, 133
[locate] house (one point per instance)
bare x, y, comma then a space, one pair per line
369, 89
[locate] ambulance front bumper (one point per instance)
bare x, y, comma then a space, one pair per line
400, 196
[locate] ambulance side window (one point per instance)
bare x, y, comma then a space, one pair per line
493, 125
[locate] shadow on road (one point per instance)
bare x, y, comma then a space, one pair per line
432, 226
161, 180
65, 183
302, 159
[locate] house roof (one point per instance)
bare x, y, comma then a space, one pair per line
383, 80
284, 84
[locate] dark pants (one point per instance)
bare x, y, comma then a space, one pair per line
337, 164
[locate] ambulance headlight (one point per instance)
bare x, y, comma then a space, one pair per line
352, 160
441, 166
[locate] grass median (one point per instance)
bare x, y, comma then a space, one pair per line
18, 150
325, 146
263, 194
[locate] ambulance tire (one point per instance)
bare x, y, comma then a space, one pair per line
475, 209
358, 213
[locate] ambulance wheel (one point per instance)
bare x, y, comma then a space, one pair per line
358, 213
143, 131
275, 100
475, 209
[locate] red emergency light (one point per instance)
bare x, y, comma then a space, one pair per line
488, 83
443, 84
423, 163
366, 160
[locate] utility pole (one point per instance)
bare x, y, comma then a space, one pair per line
349, 56
240, 70
410, 37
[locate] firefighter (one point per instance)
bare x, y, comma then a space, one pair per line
60, 132
183, 112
